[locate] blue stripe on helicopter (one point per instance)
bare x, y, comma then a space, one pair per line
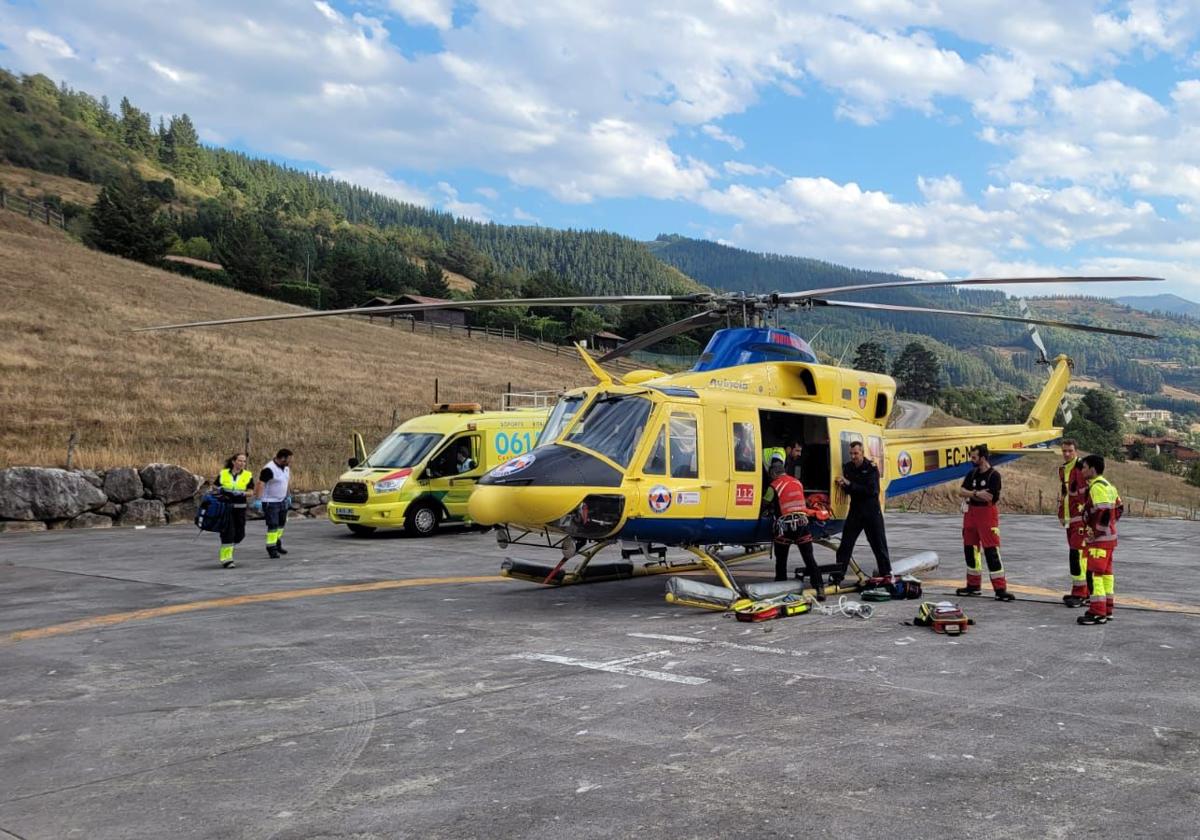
920, 481
709, 529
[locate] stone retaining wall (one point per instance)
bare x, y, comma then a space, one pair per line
45, 498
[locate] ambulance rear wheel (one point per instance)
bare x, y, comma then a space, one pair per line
423, 520
361, 530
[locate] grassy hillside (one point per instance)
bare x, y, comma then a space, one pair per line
69, 363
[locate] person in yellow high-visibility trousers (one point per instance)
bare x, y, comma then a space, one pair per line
274, 496
1101, 510
233, 486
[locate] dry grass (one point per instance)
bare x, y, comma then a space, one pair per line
69, 363
1031, 486
33, 184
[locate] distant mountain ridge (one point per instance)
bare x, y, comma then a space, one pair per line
1174, 304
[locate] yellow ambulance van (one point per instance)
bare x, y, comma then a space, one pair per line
422, 474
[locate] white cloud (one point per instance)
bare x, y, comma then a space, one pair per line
384, 184
49, 42
734, 167
521, 216
435, 13
464, 209
946, 189
328, 11
716, 133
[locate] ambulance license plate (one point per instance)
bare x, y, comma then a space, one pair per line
344, 511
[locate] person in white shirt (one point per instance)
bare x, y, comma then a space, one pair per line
272, 493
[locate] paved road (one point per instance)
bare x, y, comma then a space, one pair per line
911, 414
397, 688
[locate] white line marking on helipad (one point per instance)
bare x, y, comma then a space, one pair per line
689, 640
619, 666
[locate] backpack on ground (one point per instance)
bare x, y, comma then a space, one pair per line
212, 513
943, 617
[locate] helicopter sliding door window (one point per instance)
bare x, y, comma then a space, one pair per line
656, 463
743, 448
684, 452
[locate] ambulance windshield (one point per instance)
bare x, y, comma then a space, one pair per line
402, 449
612, 427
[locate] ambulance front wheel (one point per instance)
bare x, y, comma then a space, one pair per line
423, 520
361, 530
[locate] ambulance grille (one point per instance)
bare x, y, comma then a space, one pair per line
354, 492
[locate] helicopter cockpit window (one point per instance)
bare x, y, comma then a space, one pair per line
684, 460
743, 447
559, 418
656, 464
612, 426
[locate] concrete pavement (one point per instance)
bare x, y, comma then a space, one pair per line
392, 687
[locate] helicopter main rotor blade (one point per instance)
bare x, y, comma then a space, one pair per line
600, 300
692, 322
972, 281
888, 307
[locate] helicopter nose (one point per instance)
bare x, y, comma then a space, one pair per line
528, 507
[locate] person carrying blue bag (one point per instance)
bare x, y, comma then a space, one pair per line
234, 485
273, 496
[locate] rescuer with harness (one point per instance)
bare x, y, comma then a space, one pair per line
1073, 492
784, 499
233, 484
1101, 510
980, 492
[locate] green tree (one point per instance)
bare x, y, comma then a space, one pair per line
125, 220
181, 148
433, 281
1096, 424
917, 373
1193, 474
135, 128
871, 356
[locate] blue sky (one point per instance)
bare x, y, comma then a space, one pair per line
975, 138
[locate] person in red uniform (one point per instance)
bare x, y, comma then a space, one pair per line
784, 499
1072, 492
980, 491
1101, 510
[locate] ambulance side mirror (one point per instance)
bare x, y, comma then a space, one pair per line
352, 463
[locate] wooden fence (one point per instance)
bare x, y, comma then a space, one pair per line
33, 209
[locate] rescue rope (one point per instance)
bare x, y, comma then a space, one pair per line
845, 607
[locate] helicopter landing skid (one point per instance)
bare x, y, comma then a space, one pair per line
592, 572
731, 595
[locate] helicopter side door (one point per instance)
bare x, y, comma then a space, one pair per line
674, 487
744, 495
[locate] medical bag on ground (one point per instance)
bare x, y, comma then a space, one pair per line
943, 617
212, 513
787, 605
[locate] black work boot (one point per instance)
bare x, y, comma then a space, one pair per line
967, 590
279, 546
819, 589
273, 552
1005, 595
1073, 601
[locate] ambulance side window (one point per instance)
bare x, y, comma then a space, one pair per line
684, 460
743, 447
656, 464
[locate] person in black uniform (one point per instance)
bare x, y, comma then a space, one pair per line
860, 480
795, 451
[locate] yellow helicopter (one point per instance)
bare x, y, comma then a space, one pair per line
677, 460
